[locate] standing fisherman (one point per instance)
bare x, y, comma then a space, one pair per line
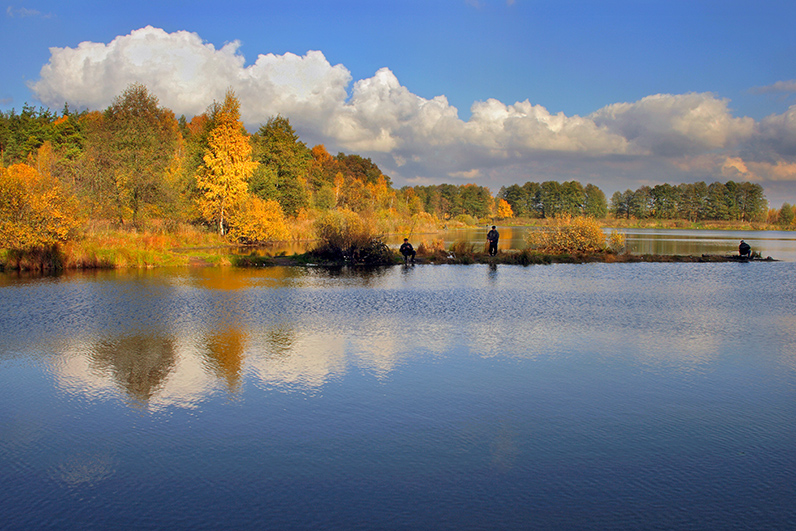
492, 237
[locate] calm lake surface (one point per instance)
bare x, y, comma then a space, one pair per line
595, 396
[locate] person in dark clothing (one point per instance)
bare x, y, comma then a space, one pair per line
408, 251
492, 237
745, 249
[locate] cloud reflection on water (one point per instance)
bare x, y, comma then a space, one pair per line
174, 341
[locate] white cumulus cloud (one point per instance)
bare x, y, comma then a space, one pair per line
675, 125
420, 139
184, 72
384, 116
523, 126
778, 133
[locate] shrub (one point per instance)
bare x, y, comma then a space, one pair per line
461, 248
434, 251
257, 220
340, 231
466, 219
344, 236
375, 252
568, 235
436, 246
44, 258
35, 213
616, 241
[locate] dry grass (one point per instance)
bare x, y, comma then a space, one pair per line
104, 245
430, 248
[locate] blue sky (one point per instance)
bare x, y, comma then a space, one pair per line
617, 93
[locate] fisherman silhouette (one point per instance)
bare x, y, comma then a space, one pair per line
408, 251
492, 237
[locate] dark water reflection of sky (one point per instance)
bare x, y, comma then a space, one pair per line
598, 396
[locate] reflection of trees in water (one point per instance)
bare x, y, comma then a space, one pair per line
366, 274
224, 279
140, 364
224, 354
280, 341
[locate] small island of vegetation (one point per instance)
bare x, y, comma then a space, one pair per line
344, 241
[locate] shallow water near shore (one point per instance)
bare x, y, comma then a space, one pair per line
595, 396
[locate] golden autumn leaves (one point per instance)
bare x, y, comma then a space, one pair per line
574, 235
34, 210
228, 166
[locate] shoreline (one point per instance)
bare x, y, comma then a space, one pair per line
503, 258
145, 251
521, 258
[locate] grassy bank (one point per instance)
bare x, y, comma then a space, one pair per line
104, 247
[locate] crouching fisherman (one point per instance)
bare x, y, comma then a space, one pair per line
745, 250
408, 251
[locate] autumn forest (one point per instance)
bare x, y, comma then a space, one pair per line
137, 167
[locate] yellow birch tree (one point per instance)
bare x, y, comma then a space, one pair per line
228, 164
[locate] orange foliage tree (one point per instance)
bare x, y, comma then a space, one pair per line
34, 210
257, 220
504, 209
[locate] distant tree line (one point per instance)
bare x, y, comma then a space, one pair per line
448, 201
551, 198
693, 202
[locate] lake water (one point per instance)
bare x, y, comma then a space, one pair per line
595, 396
